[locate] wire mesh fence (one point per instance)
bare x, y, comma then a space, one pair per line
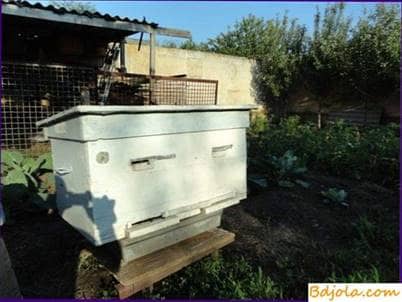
138, 89
32, 92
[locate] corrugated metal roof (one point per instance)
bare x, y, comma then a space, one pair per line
86, 13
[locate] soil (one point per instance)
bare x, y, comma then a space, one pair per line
290, 233
298, 238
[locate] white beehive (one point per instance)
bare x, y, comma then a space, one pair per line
123, 172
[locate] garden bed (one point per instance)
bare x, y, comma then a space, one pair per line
291, 233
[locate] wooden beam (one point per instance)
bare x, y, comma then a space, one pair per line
144, 272
172, 32
123, 56
152, 53
152, 58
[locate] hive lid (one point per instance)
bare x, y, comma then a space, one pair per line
106, 110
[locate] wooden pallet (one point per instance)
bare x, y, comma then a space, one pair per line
143, 272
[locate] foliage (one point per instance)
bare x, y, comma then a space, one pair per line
287, 167
187, 44
337, 149
190, 44
74, 5
23, 170
372, 55
246, 38
258, 125
277, 72
277, 46
325, 59
335, 195
325, 56
288, 164
26, 178
219, 278
339, 61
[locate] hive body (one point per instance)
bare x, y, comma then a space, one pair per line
123, 173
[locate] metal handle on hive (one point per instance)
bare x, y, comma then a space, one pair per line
146, 163
220, 151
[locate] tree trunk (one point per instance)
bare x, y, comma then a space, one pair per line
319, 116
285, 106
365, 111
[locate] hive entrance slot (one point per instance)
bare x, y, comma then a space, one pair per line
147, 220
145, 163
150, 225
141, 164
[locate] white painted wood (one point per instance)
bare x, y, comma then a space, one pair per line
95, 127
220, 205
133, 249
115, 170
151, 226
191, 213
106, 110
199, 205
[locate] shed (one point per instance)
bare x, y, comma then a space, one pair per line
54, 59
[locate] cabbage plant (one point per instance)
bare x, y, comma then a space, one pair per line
25, 177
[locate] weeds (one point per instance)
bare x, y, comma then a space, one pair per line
219, 278
338, 149
371, 275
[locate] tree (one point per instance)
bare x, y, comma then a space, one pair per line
190, 44
277, 46
247, 38
373, 54
187, 44
74, 5
324, 63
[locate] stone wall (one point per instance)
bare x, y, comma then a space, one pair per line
233, 73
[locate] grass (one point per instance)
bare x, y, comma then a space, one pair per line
281, 232
238, 279
219, 278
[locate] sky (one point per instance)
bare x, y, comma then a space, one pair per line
208, 19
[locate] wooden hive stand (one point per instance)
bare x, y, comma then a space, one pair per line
143, 272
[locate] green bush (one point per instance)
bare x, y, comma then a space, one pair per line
369, 153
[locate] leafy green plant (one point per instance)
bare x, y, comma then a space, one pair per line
27, 178
335, 195
21, 169
286, 168
288, 164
